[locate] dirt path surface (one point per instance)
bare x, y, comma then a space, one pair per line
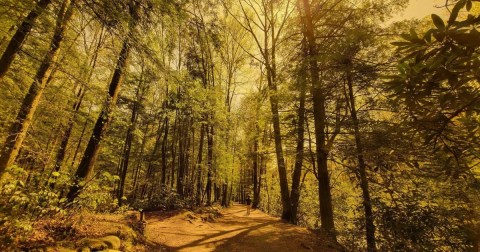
234, 231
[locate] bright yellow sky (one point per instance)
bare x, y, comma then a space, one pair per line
420, 9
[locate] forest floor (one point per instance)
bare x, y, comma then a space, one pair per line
201, 230
232, 231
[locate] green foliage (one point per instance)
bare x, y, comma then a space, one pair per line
163, 199
413, 227
438, 82
22, 202
97, 194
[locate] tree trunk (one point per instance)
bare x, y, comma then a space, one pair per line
140, 161
199, 167
159, 143
367, 204
76, 107
189, 152
182, 157
297, 170
318, 97
256, 171
282, 170
66, 136
16, 43
80, 138
18, 130
164, 152
224, 195
85, 167
127, 149
173, 150
208, 188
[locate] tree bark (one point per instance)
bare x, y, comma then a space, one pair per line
85, 167
362, 170
256, 171
282, 170
182, 151
208, 188
164, 152
18, 39
139, 162
318, 97
80, 139
62, 150
128, 147
199, 167
297, 170
173, 149
19, 128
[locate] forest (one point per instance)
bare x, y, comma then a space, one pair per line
325, 113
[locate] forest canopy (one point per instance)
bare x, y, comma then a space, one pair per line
324, 112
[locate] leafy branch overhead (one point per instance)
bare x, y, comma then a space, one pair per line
438, 80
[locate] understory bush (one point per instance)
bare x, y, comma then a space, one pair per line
33, 204
97, 194
163, 199
25, 199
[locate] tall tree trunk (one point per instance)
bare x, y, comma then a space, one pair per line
362, 170
16, 43
164, 152
139, 162
200, 166
318, 97
85, 167
189, 153
127, 149
224, 195
297, 170
173, 149
80, 139
256, 170
19, 128
62, 150
208, 188
182, 157
282, 170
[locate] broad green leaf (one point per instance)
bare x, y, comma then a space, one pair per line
471, 39
428, 36
455, 11
469, 5
438, 22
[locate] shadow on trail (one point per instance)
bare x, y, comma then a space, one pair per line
234, 231
273, 239
220, 241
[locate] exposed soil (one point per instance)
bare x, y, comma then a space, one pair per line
234, 231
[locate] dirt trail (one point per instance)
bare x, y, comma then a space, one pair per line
235, 231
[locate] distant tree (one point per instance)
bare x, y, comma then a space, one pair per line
18, 39
85, 167
19, 128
